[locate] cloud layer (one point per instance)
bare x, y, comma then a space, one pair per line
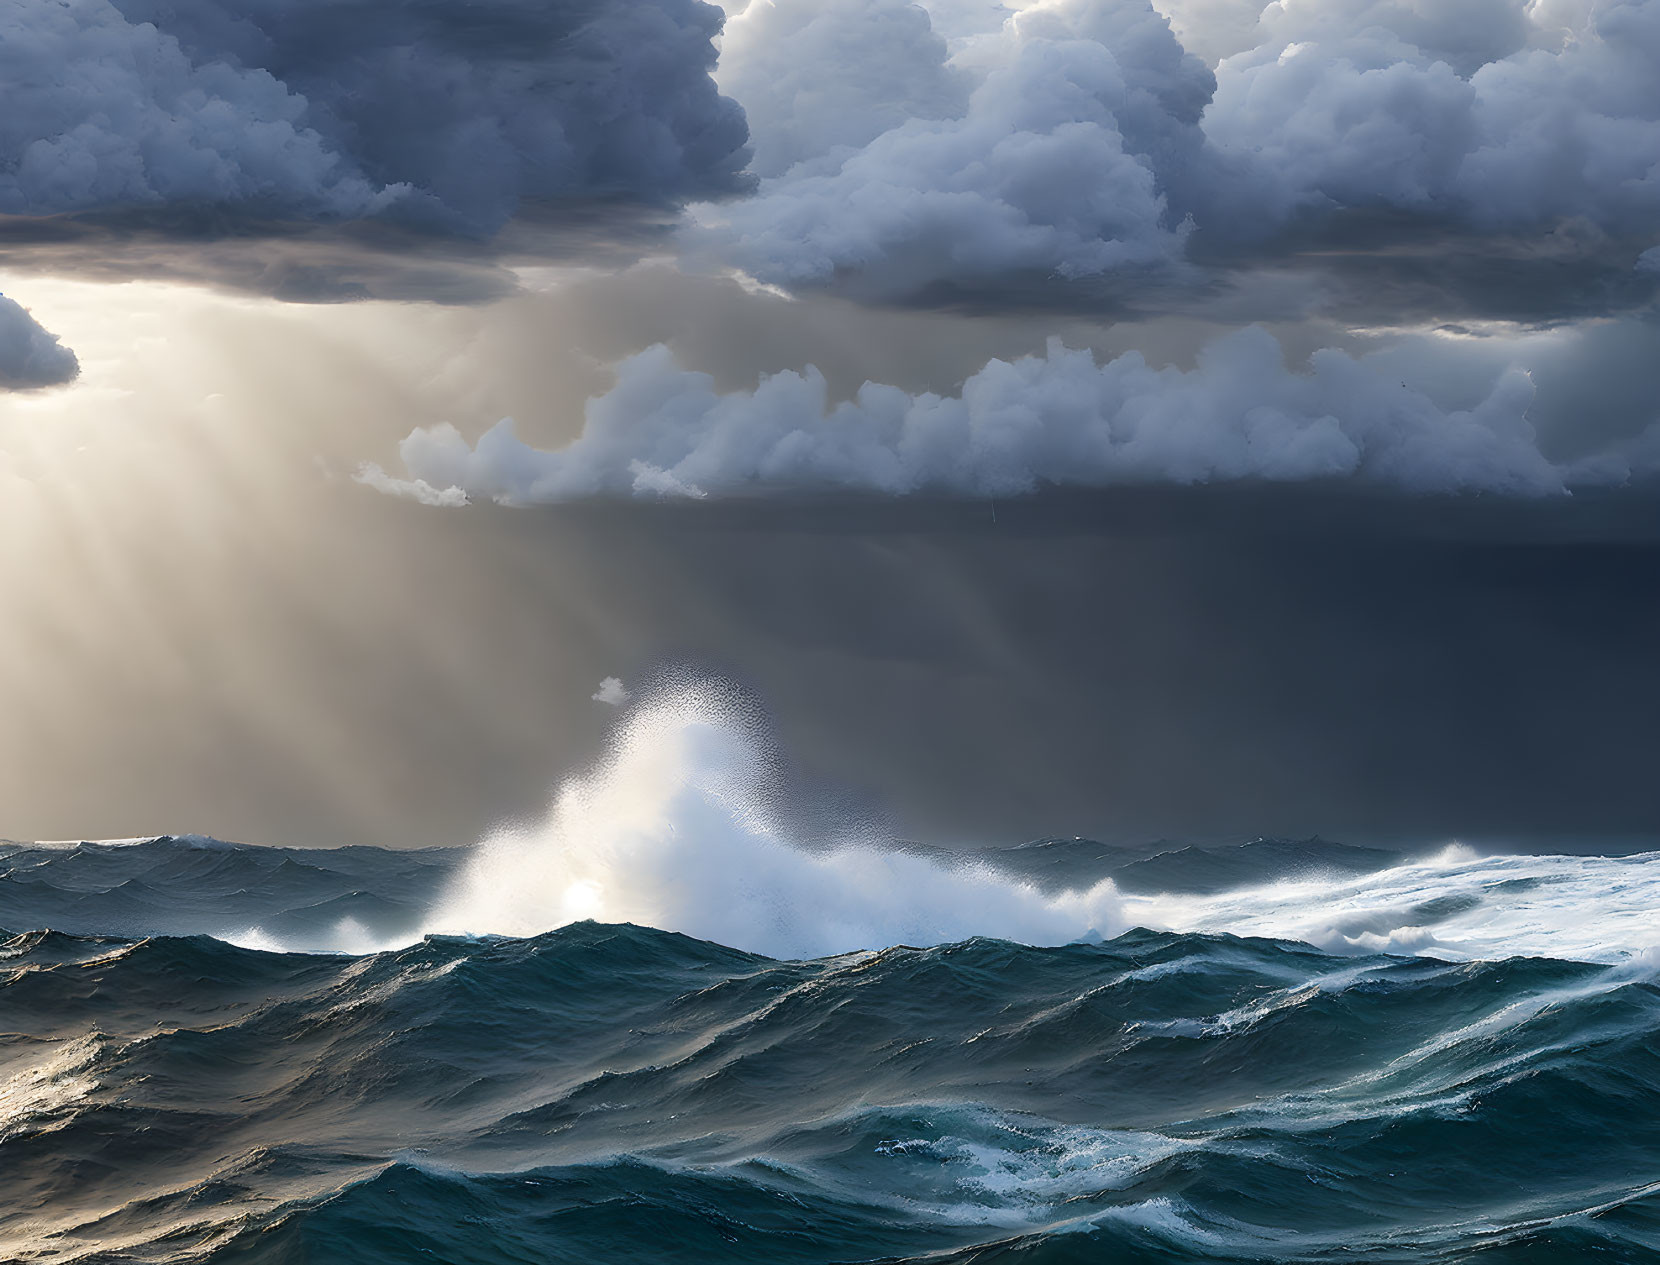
447, 113
1091, 143
29, 356
1057, 419
1106, 155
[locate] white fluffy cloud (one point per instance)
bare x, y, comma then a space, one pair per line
1060, 418
29, 356
451, 112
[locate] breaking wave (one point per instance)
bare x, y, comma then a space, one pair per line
680, 1020
684, 826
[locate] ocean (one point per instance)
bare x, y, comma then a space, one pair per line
657, 1027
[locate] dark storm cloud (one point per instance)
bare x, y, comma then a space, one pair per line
326, 151
1374, 160
1494, 158
1057, 163
1374, 163
1506, 114
29, 356
330, 263
434, 112
1397, 267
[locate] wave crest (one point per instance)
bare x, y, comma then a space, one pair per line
681, 826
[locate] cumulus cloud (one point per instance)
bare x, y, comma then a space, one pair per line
103, 111
833, 74
1091, 143
1450, 109
1466, 36
1214, 29
448, 113
29, 356
1053, 165
612, 692
1059, 418
1110, 153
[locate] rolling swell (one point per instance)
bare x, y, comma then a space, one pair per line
212, 1053
612, 1092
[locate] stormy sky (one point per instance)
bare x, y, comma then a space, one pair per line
1189, 419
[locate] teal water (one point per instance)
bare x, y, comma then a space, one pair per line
615, 1093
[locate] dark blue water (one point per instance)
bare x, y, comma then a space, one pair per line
615, 1093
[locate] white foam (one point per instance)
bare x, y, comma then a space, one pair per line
205, 843
43, 1091
1024, 1172
679, 828
1455, 905
347, 936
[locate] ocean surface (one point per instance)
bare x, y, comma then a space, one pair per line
653, 1028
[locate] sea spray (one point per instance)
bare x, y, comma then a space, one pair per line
683, 826
689, 823
693, 821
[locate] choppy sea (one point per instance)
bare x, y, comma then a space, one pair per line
719, 1047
